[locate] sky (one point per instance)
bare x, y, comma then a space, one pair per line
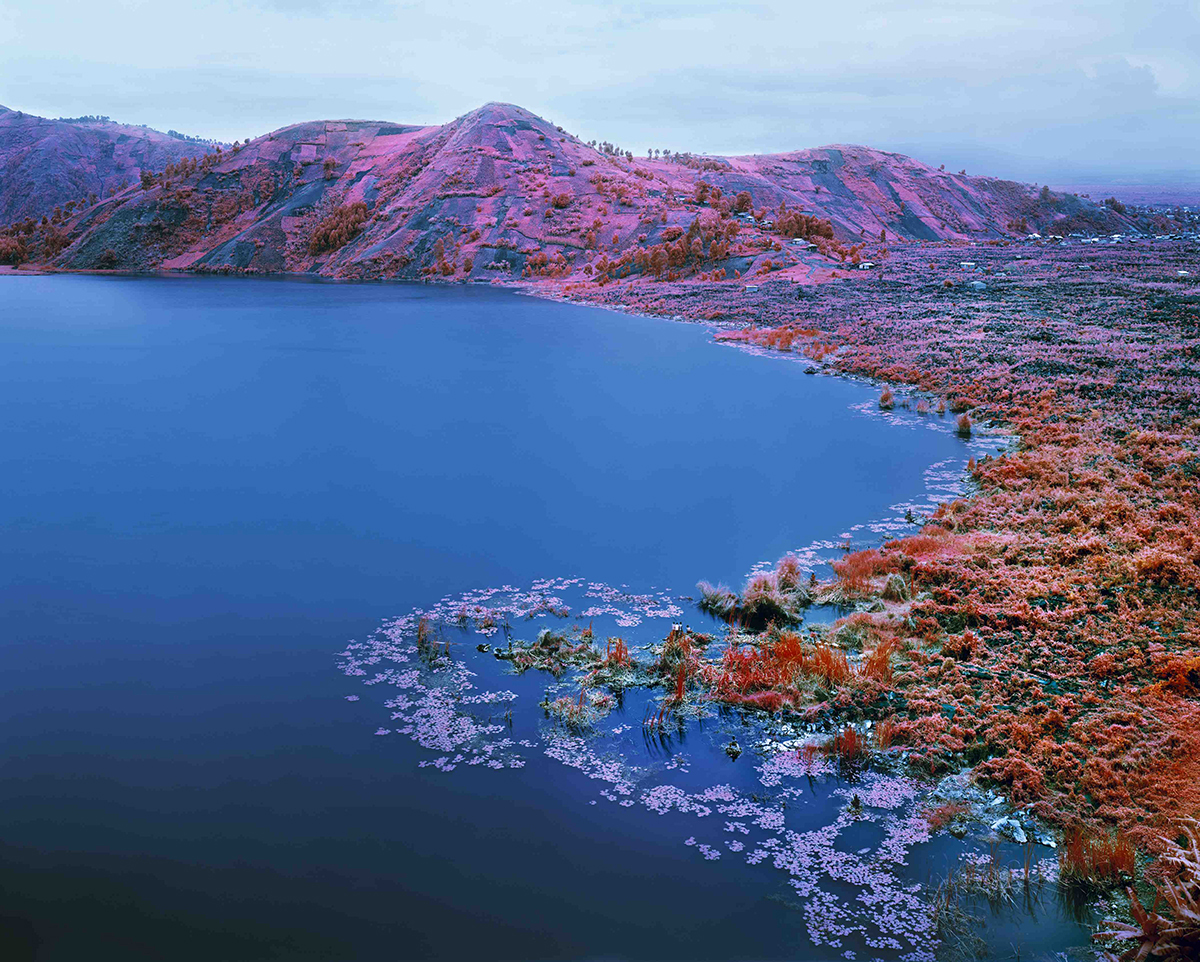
1058, 92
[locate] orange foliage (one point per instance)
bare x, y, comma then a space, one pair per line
338, 228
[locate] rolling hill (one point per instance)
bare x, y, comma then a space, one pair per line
500, 193
49, 163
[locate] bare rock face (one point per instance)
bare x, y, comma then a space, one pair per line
49, 163
501, 193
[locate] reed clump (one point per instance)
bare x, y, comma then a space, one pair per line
1096, 859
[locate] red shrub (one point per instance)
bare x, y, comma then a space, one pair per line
943, 815
618, 653
855, 570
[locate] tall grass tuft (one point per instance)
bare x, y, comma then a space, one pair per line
788, 572
718, 601
1096, 859
847, 746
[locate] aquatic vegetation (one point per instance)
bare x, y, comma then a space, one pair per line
582, 712
789, 574
943, 815
617, 654
764, 602
1174, 937
551, 651
1049, 641
776, 597
847, 746
442, 704
770, 672
1043, 630
983, 876
854, 574
1096, 859
718, 601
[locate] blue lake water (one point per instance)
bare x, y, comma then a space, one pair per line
210, 485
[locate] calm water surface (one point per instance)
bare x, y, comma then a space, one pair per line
209, 485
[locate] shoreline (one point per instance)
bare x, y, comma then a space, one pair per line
891, 346
1028, 445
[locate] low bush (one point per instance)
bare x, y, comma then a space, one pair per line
338, 228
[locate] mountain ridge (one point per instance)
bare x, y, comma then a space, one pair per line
500, 192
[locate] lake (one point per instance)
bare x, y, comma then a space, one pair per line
211, 485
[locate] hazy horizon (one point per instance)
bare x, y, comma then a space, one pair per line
1070, 94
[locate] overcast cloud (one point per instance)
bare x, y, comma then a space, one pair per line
1033, 90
